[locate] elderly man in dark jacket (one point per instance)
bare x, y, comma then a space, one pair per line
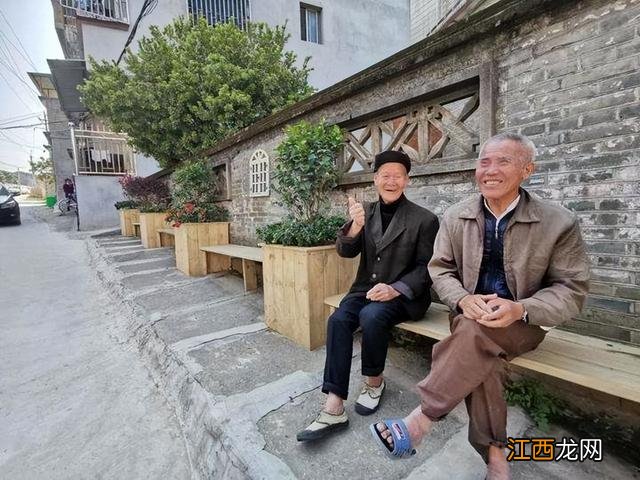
394, 238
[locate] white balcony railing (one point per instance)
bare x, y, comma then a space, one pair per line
220, 11
102, 153
110, 10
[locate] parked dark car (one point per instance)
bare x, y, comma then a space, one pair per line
9, 208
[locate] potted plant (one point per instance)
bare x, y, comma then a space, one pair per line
152, 197
196, 219
301, 266
129, 214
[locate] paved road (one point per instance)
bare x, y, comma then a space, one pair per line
74, 402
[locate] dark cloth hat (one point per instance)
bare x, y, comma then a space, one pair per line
391, 156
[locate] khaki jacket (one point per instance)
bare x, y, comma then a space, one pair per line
545, 262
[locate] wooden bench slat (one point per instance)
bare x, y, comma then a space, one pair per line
237, 251
601, 365
135, 223
168, 231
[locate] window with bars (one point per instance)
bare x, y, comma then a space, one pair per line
259, 168
220, 11
310, 23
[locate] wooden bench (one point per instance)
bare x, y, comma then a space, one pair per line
136, 228
601, 365
166, 237
250, 256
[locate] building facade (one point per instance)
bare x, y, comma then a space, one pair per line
341, 38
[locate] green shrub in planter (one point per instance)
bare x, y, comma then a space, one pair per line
189, 213
304, 175
151, 194
291, 232
194, 195
125, 204
305, 171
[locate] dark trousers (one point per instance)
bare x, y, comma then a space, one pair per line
376, 319
470, 365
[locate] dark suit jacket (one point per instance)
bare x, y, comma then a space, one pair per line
400, 255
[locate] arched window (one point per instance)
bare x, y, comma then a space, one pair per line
259, 171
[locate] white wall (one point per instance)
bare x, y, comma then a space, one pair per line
355, 33
96, 195
102, 42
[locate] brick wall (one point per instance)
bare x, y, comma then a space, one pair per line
571, 82
567, 76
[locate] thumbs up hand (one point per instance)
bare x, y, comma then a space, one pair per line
356, 213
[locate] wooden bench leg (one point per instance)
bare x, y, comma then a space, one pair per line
250, 275
217, 262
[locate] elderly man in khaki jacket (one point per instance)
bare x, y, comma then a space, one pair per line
509, 265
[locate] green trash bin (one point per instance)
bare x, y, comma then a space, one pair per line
51, 201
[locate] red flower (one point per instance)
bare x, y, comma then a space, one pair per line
189, 207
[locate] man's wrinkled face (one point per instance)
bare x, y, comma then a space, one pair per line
501, 168
390, 180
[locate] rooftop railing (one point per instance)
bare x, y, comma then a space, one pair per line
110, 10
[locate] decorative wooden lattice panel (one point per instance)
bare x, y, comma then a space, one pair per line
441, 129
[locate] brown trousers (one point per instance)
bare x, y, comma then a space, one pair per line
470, 364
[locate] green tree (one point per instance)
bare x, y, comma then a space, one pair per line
192, 84
42, 169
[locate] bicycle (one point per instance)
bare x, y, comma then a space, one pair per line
68, 204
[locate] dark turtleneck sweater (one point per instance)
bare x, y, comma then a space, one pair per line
388, 210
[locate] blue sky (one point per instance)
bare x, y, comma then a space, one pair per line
27, 39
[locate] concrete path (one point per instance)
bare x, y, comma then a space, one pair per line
75, 401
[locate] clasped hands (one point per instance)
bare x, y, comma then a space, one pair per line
490, 310
382, 292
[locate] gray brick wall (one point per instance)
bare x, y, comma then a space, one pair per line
571, 82
569, 78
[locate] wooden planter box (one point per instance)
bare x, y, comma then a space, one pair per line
128, 216
149, 225
296, 282
190, 237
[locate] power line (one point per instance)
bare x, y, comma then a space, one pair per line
8, 139
41, 124
9, 164
147, 7
18, 118
13, 90
19, 42
17, 75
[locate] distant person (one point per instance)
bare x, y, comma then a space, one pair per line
509, 265
394, 238
69, 191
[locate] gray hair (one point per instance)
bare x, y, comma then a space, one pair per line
514, 137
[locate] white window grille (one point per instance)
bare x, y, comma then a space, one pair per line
220, 11
98, 151
111, 10
259, 168
310, 23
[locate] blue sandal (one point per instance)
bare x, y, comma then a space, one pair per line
401, 440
